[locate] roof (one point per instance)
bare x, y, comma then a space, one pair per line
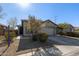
3, 25
76, 27
24, 20
71, 26
50, 21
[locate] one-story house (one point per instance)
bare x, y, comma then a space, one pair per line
47, 26
2, 29
69, 29
76, 29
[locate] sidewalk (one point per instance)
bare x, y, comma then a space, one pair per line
11, 51
3, 49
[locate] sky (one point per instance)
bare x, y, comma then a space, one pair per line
56, 12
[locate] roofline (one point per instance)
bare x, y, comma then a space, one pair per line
25, 20
51, 22
3, 25
72, 26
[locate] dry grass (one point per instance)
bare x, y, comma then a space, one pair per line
1, 38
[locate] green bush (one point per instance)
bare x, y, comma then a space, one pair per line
43, 37
35, 37
2, 38
61, 33
6, 35
69, 34
73, 34
12, 35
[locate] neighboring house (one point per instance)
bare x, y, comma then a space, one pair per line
76, 29
69, 29
2, 29
47, 26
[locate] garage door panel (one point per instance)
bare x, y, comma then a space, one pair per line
50, 31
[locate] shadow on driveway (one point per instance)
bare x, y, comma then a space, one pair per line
48, 48
26, 44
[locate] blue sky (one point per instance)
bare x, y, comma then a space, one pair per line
68, 13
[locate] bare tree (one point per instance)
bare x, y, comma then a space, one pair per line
12, 22
34, 24
1, 13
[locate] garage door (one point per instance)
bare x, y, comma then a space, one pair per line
50, 31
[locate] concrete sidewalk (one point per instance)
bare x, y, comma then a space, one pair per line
11, 51
3, 49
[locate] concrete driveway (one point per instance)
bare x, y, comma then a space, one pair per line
67, 45
63, 46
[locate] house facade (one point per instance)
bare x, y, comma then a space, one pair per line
2, 29
69, 29
47, 26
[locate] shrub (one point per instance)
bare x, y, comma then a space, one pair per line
43, 37
72, 34
35, 37
12, 35
61, 33
2, 38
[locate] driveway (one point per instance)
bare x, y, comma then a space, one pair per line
63, 46
28, 47
67, 45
